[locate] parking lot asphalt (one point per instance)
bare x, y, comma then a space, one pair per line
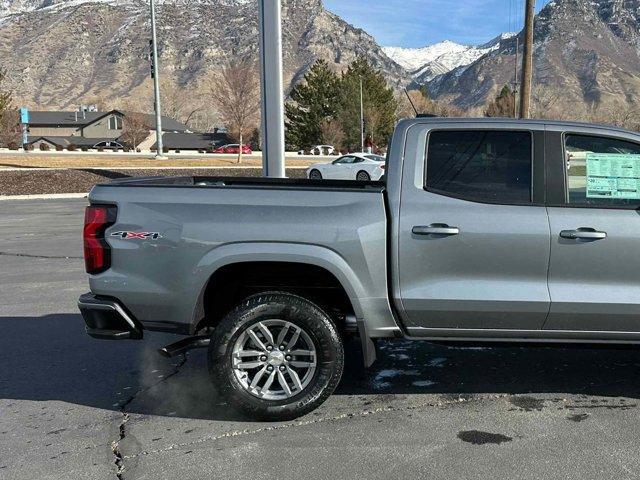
74, 407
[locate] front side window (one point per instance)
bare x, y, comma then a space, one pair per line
344, 160
481, 165
602, 171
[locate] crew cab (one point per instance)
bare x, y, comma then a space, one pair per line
485, 230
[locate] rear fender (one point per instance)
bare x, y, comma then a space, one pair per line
322, 257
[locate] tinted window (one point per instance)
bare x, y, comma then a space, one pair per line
610, 167
493, 166
346, 159
376, 158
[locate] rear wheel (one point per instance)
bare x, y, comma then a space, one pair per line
315, 175
363, 176
276, 356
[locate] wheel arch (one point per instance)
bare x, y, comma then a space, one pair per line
241, 257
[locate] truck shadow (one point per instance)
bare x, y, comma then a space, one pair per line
51, 358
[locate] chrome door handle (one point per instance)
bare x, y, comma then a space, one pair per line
583, 234
436, 229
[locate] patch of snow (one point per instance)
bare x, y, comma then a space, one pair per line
423, 383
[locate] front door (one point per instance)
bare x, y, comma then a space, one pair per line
474, 234
594, 276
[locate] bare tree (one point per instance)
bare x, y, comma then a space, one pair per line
236, 93
9, 118
10, 132
423, 104
135, 129
332, 133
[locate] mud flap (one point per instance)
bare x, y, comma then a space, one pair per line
368, 347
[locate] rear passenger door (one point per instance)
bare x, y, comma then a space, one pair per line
474, 234
594, 276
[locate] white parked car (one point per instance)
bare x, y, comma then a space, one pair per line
353, 166
323, 150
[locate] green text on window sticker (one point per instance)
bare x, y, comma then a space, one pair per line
613, 176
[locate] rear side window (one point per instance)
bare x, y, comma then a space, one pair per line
481, 165
602, 171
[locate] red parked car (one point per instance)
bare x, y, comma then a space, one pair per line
234, 148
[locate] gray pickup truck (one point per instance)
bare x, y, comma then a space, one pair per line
483, 231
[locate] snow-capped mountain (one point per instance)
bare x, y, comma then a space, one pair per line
428, 62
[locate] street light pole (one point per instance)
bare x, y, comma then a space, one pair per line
156, 84
361, 117
272, 88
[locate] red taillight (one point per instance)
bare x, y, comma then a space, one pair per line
97, 253
383, 167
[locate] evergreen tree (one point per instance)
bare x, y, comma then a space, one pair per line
380, 105
503, 105
312, 103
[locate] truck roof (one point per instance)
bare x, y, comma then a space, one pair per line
515, 121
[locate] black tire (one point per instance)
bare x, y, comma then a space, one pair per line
315, 175
363, 176
298, 311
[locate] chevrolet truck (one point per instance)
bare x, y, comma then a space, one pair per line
483, 230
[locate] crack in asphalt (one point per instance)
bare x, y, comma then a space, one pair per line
50, 257
344, 416
118, 457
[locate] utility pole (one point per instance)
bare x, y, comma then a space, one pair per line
527, 67
515, 80
272, 88
361, 117
156, 83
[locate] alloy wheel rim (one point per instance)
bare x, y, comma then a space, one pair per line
274, 359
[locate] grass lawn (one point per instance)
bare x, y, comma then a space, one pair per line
51, 160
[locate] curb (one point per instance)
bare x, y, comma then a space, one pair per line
50, 196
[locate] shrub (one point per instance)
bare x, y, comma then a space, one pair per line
100, 149
72, 147
126, 149
12, 146
44, 147
177, 151
84, 148
59, 148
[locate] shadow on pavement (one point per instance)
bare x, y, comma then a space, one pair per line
51, 358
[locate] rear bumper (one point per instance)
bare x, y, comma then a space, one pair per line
106, 319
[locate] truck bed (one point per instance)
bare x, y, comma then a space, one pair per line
196, 225
243, 182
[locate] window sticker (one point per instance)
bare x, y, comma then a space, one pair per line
613, 176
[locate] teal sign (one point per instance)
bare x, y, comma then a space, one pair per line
613, 176
24, 116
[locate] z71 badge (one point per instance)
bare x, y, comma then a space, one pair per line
137, 235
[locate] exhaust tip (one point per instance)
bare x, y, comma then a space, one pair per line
164, 352
184, 346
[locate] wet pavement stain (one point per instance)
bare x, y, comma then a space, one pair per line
578, 417
476, 437
528, 404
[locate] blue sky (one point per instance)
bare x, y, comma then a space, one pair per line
416, 23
